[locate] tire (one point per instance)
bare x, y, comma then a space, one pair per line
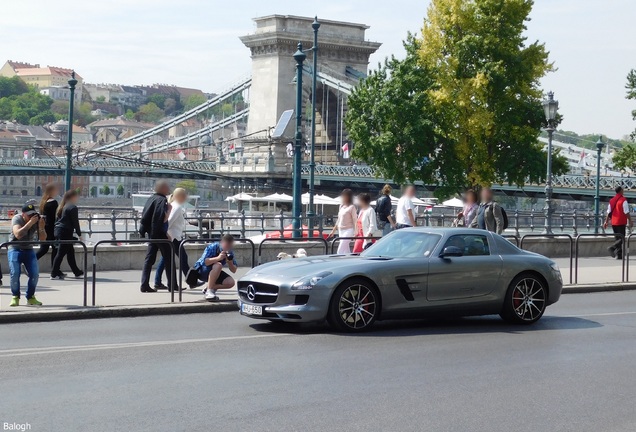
354, 306
526, 299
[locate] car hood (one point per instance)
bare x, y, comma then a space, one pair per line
299, 267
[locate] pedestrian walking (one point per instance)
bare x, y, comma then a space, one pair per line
176, 228
48, 211
347, 217
383, 209
404, 214
469, 212
490, 215
367, 224
619, 217
154, 224
27, 226
66, 226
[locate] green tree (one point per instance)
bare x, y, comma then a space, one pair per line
13, 86
463, 108
149, 113
170, 105
100, 99
94, 191
194, 101
130, 115
188, 185
106, 190
120, 190
158, 99
631, 94
625, 158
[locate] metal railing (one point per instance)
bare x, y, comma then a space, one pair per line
57, 243
554, 236
292, 240
576, 253
172, 281
338, 239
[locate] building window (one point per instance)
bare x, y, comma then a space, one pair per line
24, 181
11, 182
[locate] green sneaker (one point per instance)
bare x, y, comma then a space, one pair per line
15, 301
34, 302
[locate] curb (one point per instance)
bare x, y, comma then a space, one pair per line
598, 288
116, 312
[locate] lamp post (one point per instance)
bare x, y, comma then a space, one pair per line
550, 106
597, 196
69, 136
297, 206
312, 157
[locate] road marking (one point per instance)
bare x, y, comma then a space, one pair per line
594, 314
19, 352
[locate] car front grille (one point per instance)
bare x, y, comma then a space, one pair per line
255, 292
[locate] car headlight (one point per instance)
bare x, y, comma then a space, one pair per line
309, 282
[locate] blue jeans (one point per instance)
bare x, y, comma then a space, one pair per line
27, 257
387, 228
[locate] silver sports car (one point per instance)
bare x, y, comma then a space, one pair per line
410, 273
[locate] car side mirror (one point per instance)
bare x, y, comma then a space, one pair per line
451, 251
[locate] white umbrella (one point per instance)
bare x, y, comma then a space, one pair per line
453, 202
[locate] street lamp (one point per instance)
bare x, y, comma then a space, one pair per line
597, 197
297, 205
550, 106
312, 158
69, 136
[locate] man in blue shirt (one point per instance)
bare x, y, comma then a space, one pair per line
210, 266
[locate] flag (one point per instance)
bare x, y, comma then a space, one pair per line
582, 159
181, 154
26, 154
345, 150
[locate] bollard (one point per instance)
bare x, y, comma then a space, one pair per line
262, 223
516, 216
242, 223
532, 220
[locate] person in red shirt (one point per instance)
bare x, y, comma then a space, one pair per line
618, 215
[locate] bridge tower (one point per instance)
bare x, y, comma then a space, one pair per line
344, 55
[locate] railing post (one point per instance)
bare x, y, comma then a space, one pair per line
427, 219
90, 224
282, 224
321, 224
113, 220
242, 223
517, 222
262, 223
532, 220
200, 223
574, 223
561, 224
222, 223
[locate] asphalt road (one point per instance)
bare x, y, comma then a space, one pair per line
573, 371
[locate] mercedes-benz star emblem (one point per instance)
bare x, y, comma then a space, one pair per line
251, 292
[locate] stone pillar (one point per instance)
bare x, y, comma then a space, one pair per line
341, 44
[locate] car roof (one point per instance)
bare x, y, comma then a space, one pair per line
448, 231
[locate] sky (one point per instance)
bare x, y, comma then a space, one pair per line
195, 43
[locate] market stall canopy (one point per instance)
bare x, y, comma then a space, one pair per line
321, 200
453, 202
276, 197
240, 197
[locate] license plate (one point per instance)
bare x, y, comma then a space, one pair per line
251, 309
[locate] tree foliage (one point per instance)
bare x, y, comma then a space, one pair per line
149, 113
464, 107
189, 185
120, 190
193, 101
625, 158
631, 94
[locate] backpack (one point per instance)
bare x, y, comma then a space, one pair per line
504, 215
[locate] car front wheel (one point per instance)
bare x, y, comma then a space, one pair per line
354, 306
526, 300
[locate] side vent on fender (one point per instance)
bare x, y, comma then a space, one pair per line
404, 289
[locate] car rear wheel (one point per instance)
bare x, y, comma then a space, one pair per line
526, 300
354, 306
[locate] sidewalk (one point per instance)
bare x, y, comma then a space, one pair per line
117, 294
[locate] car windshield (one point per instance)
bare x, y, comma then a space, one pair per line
404, 244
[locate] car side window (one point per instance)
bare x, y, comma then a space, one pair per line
471, 244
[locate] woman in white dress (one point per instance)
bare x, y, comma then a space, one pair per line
347, 218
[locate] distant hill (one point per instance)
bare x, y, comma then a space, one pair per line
587, 141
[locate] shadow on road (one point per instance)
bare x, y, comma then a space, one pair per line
468, 325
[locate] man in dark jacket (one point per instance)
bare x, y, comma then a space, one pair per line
383, 210
154, 224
